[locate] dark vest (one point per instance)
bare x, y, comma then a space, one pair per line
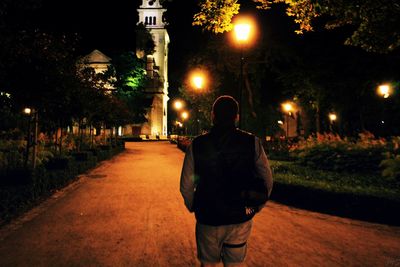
223, 161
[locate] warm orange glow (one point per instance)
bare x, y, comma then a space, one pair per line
244, 30
384, 90
288, 107
27, 111
178, 104
332, 117
198, 82
184, 115
198, 79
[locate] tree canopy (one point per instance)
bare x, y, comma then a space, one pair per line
374, 23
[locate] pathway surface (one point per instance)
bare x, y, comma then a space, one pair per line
128, 212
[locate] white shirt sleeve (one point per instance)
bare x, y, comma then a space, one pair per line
187, 185
263, 169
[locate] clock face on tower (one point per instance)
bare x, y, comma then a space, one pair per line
151, 2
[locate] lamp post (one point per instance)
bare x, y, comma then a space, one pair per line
178, 105
184, 116
384, 90
29, 143
288, 108
28, 112
198, 81
242, 33
332, 118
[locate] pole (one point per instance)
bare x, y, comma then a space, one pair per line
28, 141
35, 141
241, 86
287, 126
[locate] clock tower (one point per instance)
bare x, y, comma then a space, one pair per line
151, 15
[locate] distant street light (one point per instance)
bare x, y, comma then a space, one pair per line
332, 119
184, 116
198, 82
27, 111
29, 143
178, 104
242, 30
384, 90
288, 108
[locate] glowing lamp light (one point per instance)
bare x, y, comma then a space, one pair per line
288, 107
198, 79
185, 115
178, 104
332, 117
242, 31
384, 90
280, 122
27, 111
198, 82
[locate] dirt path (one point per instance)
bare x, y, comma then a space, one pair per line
128, 212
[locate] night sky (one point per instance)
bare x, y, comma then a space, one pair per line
109, 26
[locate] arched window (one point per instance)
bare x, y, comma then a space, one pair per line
154, 20
146, 20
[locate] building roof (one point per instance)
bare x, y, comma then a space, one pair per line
96, 56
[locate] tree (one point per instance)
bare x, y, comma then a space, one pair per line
374, 23
128, 76
144, 40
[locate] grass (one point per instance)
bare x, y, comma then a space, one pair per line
289, 173
367, 197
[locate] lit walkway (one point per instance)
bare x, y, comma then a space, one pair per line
128, 212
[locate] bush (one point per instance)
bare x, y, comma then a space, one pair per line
21, 188
391, 167
58, 163
82, 155
183, 142
331, 152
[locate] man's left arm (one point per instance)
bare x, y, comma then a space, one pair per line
262, 168
187, 185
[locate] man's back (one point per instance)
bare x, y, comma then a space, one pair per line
225, 180
224, 163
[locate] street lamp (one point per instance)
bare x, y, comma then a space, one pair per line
242, 29
30, 112
332, 118
184, 116
288, 108
384, 90
27, 111
178, 104
198, 82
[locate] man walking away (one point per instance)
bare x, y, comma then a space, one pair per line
225, 181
